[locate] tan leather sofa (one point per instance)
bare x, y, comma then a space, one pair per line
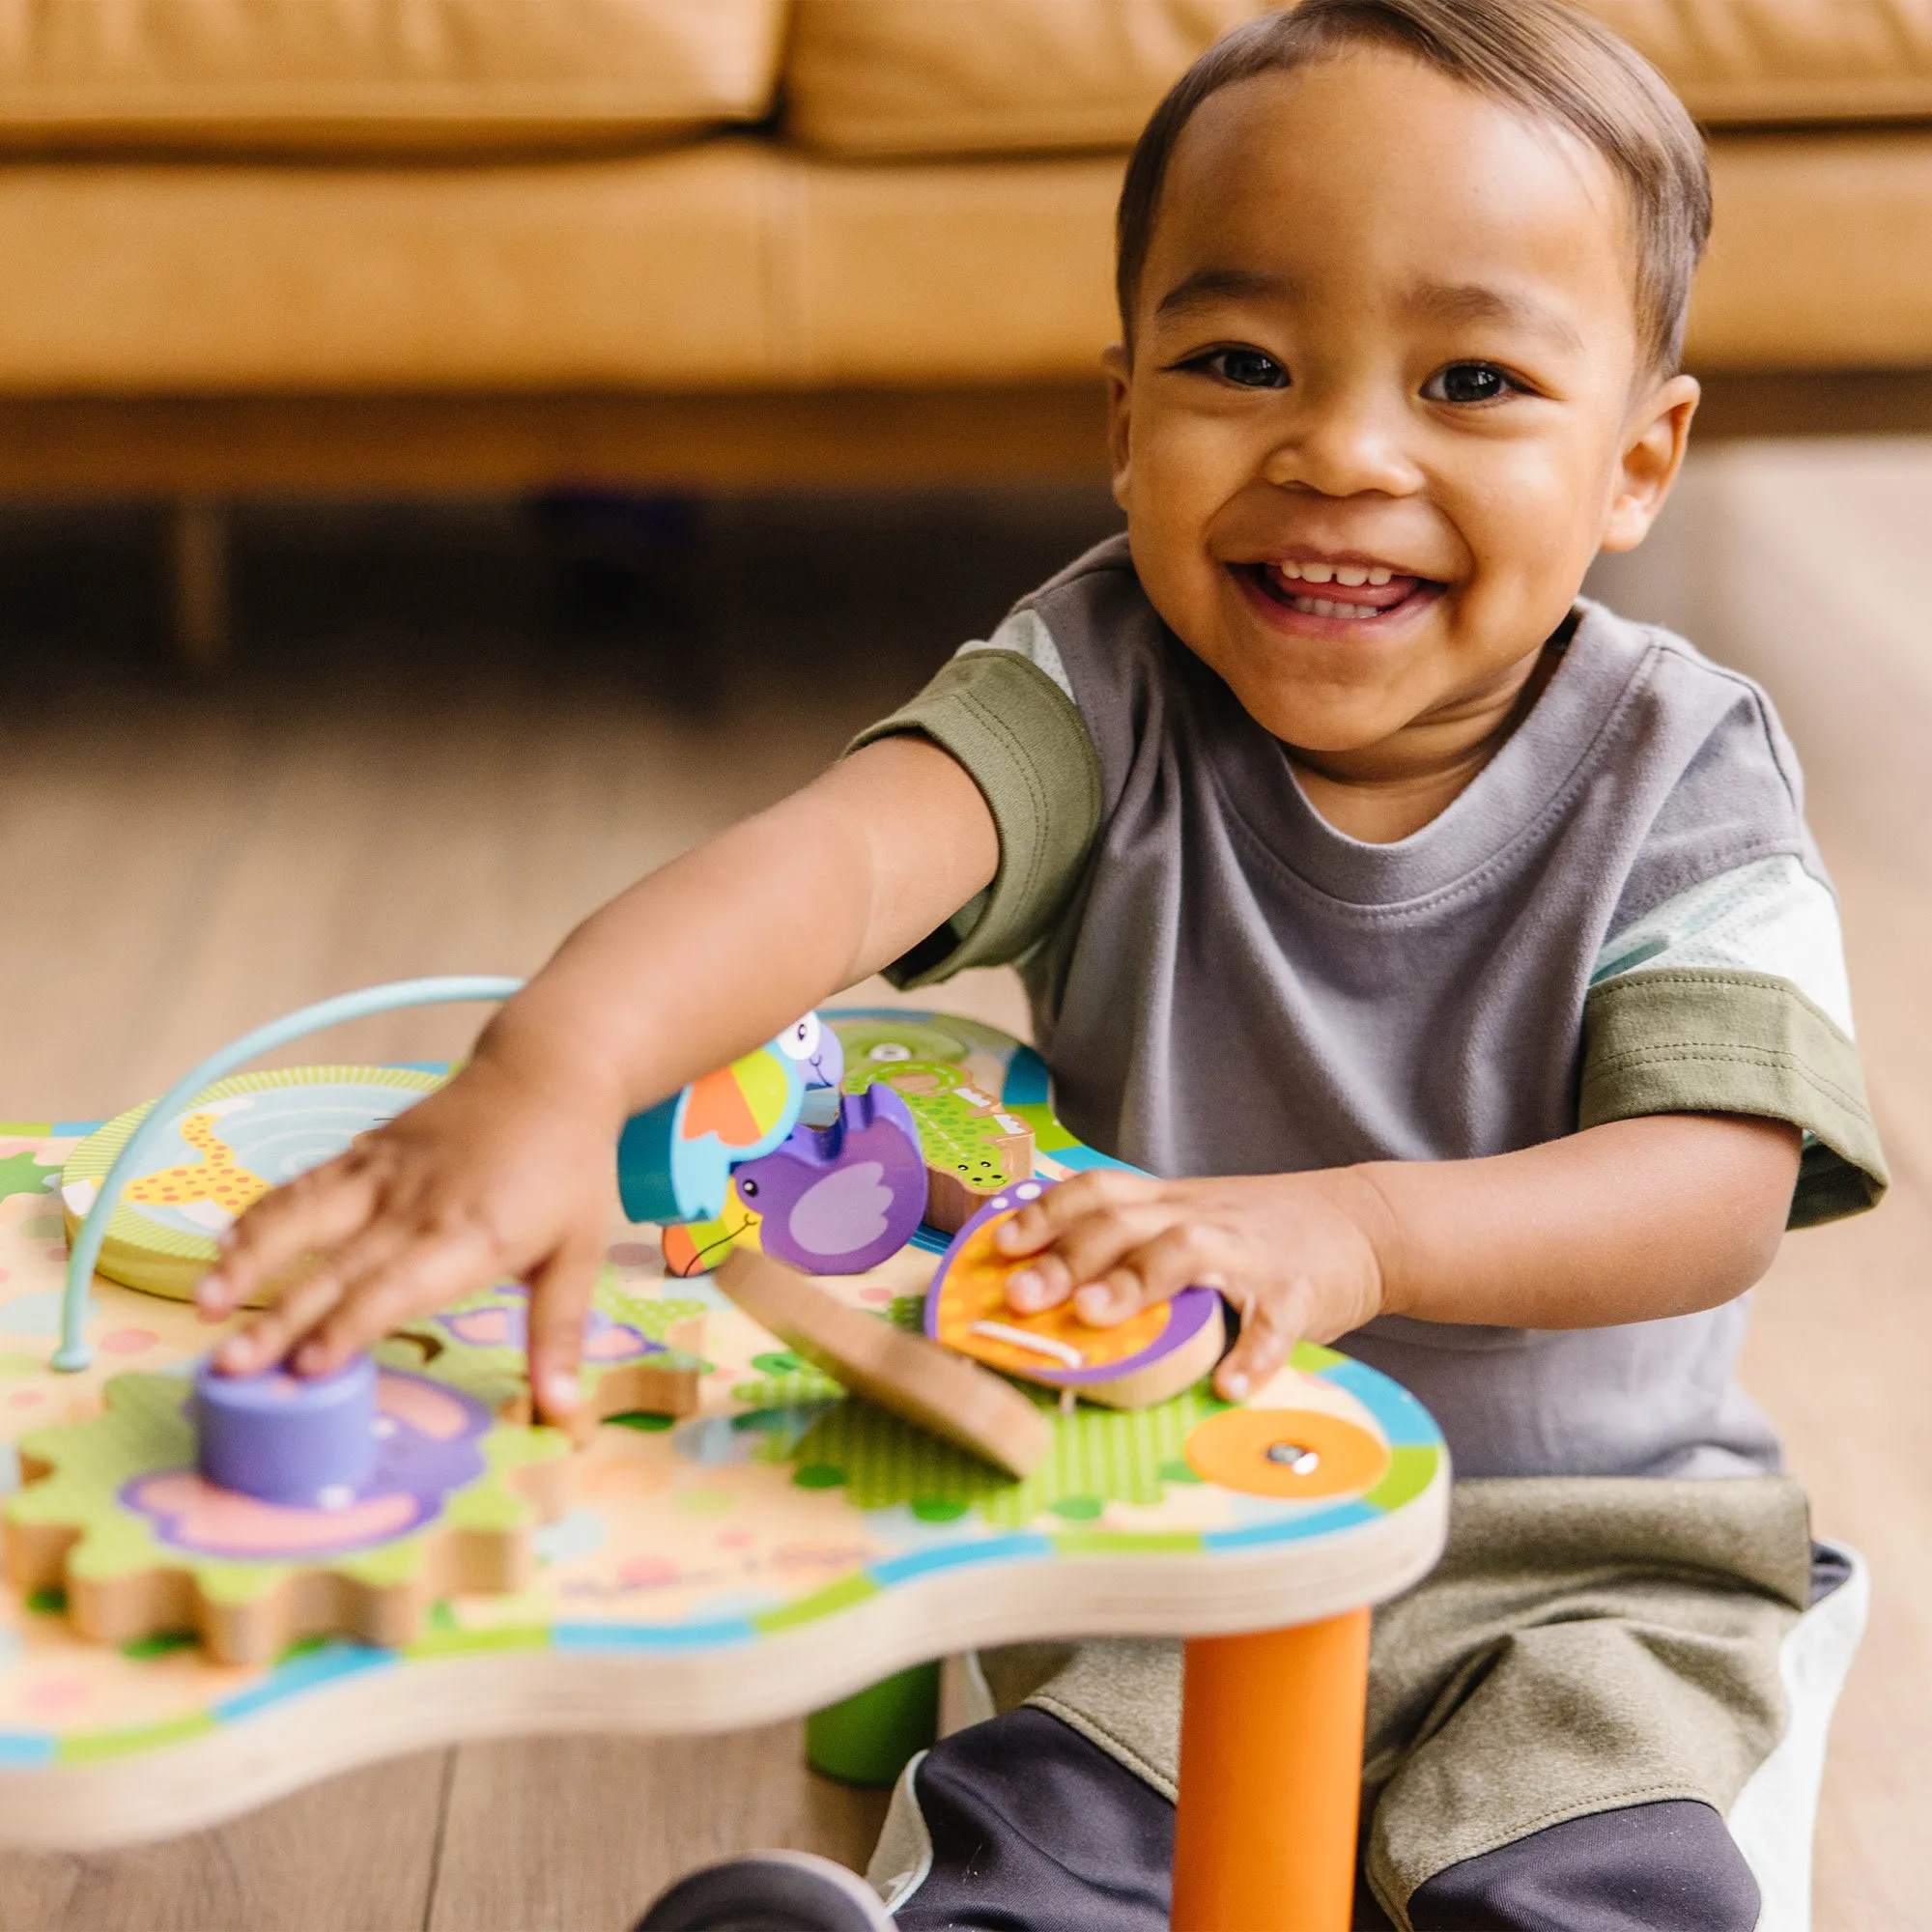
410, 244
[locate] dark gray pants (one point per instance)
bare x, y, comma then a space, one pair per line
1034, 1827
1035, 1830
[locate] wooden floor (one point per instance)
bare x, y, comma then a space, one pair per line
1798, 563
421, 763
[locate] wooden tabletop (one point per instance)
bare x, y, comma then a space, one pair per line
777, 1550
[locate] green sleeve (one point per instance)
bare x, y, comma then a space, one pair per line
1024, 744
1710, 1041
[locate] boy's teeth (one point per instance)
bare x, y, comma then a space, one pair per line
1327, 607
1350, 574
1346, 575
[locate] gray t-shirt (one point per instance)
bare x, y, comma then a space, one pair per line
1623, 914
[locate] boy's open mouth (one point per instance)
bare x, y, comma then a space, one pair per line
1346, 594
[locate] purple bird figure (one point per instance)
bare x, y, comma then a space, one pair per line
841, 1198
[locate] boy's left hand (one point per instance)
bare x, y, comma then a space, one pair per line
1296, 1253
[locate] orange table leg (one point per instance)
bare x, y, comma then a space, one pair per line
1270, 1778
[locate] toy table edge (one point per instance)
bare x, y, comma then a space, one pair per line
366, 1715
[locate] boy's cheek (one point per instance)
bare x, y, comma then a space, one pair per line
1531, 517
1186, 468
1183, 580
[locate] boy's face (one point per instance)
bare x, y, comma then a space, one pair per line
1386, 401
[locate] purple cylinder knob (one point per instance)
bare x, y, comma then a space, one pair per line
308, 1443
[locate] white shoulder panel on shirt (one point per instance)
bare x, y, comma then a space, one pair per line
1025, 633
1769, 916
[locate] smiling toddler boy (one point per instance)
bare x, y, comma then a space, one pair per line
1455, 948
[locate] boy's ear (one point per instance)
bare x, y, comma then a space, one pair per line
1653, 454
1114, 361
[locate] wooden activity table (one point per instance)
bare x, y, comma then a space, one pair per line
778, 1550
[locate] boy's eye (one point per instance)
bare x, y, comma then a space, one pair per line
1245, 368
1467, 383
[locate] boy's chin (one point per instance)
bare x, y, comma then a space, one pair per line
1314, 695
1341, 725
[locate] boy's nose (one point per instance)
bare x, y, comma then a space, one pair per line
1344, 447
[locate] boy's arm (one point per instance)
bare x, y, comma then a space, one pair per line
1630, 1221
510, 1168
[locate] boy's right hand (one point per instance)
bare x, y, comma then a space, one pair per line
498, 1174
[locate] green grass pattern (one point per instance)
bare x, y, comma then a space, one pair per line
1099, 1456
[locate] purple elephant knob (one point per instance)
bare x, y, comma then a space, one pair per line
841, 1198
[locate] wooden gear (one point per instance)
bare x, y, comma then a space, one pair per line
114, 1518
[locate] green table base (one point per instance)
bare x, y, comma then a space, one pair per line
867, 1739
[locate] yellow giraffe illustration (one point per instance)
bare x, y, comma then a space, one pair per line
217, 1176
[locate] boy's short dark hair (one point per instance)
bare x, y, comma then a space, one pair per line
1540, 56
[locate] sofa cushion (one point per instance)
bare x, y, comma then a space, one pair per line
734, 263
740, 263
361, 75
988, 76
980, 77
1821, 253
186, 279
1739, 63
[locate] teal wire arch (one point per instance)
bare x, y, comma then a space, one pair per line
440, 990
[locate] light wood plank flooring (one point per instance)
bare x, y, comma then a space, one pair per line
1798, 565
415, 767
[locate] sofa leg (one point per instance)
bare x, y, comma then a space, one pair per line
198, 604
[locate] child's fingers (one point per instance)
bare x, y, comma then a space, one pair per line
1083, 1253
1270, 1327
1043, 1283
317, 1210
274, 1333
1042, 1221
305, 1294
426, 1272
559, 1300
1186, 1256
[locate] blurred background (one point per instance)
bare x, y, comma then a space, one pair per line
456, 453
